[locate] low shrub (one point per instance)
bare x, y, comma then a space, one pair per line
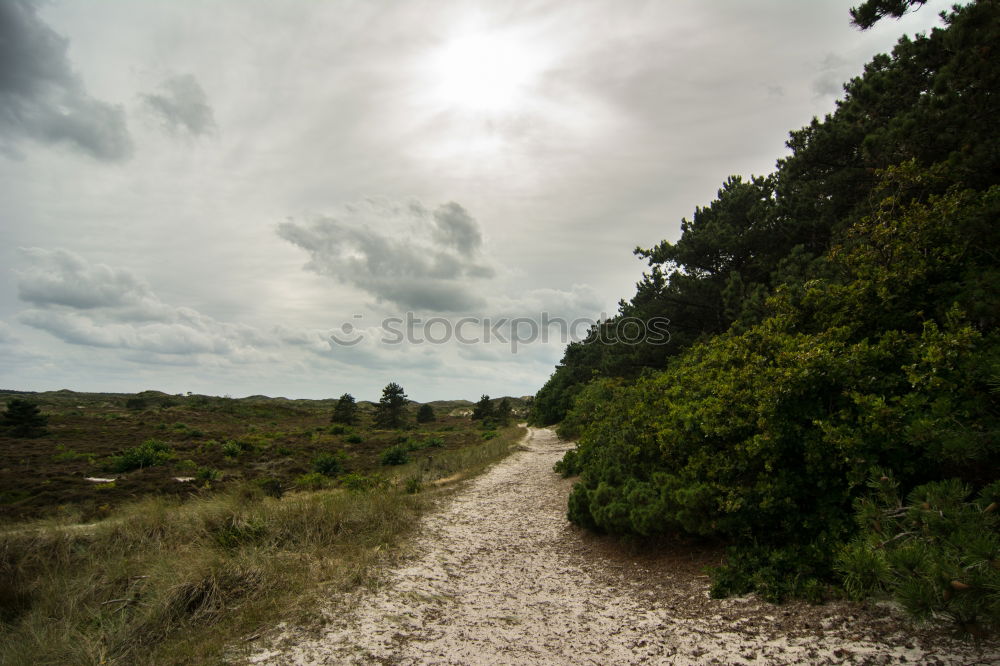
395, 455
312, 481
150, 453
329, 464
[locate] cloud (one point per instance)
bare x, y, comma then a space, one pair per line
58, 277
400, 253
182, 106
42, 98
99, 306
834, 70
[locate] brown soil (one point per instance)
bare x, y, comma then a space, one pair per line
497, 575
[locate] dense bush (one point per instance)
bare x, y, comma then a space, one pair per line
329, 464
395, 455
150, 453
938, 555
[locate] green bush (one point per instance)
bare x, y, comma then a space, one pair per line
937, 555
312, 481
354, 439
207, 474
359, 482
395, 455
234, 448
329, 464
490, 434
150, 453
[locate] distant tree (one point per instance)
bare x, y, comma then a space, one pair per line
389, 412
503, 413
135, 403
425, 414
23, 419
483, 409
346, 410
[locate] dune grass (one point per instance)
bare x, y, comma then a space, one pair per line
164, 581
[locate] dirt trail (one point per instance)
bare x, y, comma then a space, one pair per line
497, 575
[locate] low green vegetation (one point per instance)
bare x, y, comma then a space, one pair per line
833, 320
190, 569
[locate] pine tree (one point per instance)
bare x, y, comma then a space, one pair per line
389, 412
503, 412
23, 419
346, 410
483, 409
425, 414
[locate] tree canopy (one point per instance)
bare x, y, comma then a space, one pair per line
834, 325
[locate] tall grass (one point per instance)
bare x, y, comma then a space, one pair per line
169, 582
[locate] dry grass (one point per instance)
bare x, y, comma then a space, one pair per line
168, 582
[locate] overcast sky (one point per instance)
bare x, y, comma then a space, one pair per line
197, 196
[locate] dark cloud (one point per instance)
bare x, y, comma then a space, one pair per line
42, 98
403, 254
453, 226
182, 106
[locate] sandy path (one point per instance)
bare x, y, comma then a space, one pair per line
497, 575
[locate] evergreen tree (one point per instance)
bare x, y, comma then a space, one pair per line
425, 414
483, 409
346, 410
503, 413
23, 419
389, 411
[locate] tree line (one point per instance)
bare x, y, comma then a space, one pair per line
829, 404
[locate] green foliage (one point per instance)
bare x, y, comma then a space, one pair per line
490, 434
346, 410
136, 403
503, 413
150, 453
764, 437
871, 12
938, 555
425, 414
329, 464
927, 103
354, 439
234, 448
483, 409
22, 418
359, 482
395, 455
206, 474
337, 430
312, 481
389, 411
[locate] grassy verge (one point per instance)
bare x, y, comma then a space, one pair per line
164, 581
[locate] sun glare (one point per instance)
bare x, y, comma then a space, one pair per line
483, 72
